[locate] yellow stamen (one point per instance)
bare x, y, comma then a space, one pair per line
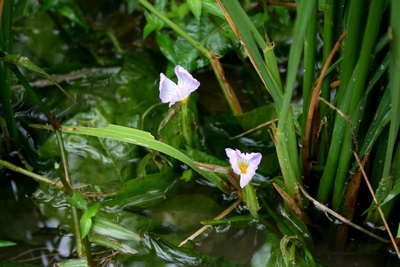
243, 167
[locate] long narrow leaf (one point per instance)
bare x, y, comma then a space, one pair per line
145, 139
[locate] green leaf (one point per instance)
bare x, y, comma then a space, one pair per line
24, 62
153, 22
4, 243
73, 263
73, 14
112, 243
146, 140
207, 34
86, 225
393, 193
77, 201
144, 191
92, 210
195, 6
86, 219
211, 7
108, 228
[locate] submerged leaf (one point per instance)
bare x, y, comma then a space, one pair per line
108, 228
144, 191
112, 243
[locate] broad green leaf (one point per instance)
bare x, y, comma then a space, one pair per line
195, 6
143, 192
207, 34
186, 212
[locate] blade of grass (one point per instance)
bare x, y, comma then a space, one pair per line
394, 85
287, 148
355, 23
377, 8
145, 139
6, 20
328, 36
25, 63
252, 41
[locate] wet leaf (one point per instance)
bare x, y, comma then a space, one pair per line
145, 139
73, 263
195, 6
86, 219
112, 243
108, 228
153, 22
186, 212
186, 55
181, 256
24, 62
4, 243
77, 201
144, 191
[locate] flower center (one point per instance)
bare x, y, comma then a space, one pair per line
243, 167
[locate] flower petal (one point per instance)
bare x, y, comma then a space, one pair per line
245, 179
167, 88
186, 82
255, 159
233, 159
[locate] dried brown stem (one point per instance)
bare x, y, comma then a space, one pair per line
340, 217
313, 103
205, 227
378, 205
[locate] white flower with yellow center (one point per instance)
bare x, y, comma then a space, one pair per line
243, 164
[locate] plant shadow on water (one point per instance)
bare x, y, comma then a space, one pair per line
38, 238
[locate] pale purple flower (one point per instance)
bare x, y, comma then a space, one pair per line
244, 164
172, 92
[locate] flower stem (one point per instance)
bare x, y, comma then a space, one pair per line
250, 198
186, 122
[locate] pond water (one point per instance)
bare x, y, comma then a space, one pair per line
122, 89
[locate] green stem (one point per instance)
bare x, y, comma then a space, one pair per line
309, 63
5, 79
186, 122
328, 36
83, 246
250, 198
33, 175
377, 8
348, 77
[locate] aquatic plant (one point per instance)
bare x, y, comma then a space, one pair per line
312, 85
